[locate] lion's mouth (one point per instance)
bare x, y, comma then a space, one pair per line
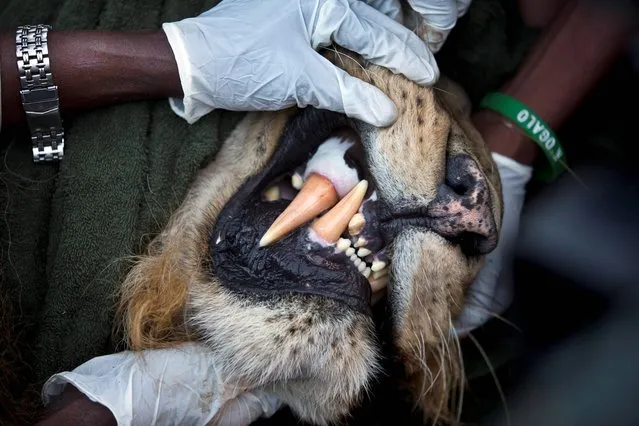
333, 197
308, 222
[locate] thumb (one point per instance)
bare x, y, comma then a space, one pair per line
332, 88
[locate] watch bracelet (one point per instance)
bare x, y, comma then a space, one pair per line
39, 94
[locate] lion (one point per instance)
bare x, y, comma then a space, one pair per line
308, 231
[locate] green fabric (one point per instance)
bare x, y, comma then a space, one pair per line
68, 229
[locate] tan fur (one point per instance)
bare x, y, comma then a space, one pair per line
319, 359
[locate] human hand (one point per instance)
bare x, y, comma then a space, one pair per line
261, 55
164, 386
491, 292
431, 19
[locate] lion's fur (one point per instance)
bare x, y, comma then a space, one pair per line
321, 363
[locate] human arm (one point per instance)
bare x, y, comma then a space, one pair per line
178, 385
227, 58
96, 68
74, 408
570, 57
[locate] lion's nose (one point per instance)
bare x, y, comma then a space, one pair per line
462, 210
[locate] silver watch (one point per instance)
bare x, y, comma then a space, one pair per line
39, 94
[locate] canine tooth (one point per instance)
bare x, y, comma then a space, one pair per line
350, 251
343, 244
317, 195
378, 265
361, 267
380, 273
334, 222
366, 272
356, 224
378, 284
297, 181
363, 252
272, 193
361, 242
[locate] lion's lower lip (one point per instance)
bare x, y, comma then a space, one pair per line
295, 264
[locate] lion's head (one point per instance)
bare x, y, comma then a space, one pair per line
293, 315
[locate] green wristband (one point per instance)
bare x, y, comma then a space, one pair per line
534, 127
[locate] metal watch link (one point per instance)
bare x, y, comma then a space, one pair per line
39, 94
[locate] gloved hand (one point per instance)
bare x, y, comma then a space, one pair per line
177, 386
435, 18
491, 292
261, 55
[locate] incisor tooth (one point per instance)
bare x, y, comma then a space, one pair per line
343, 244
350, 251
297, 181
272, 193
334, 222
358, 262
378, 284
353, 257
363, 252
361, 267
317, 195
378, 265
366, 272
361, 242
356, 224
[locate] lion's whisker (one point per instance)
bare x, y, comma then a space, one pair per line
502, 395
477, 304
462, 370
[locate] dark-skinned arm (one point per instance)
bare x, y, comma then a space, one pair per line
575, 50
74, 408
96, 68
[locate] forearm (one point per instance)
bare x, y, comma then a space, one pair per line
96, 68
74, 408
571, 56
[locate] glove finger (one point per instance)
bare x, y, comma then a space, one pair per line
441, 14
439, 18
329, 87
377, 38
390, 8
462, 7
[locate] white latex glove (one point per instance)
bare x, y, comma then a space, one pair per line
246, 55
438, 17
491, 292
178, 386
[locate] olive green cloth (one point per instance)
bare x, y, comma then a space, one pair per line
68, 229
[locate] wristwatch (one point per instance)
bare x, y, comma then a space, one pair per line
39, 94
